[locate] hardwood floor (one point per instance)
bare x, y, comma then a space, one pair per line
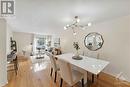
37, 74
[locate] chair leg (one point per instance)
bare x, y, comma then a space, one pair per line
82, 82
92, 78
97, 76
17, 63
61, 82
15, 66
15, 69
55, 76
51, 71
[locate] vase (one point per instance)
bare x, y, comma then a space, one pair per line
77, 56
77, 53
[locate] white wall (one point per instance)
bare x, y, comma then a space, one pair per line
116, 48
3, 58
23, 41
9, 34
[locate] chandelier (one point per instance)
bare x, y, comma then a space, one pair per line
76, 25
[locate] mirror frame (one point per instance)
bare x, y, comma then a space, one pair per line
101, 38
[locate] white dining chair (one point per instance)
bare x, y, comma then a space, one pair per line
69, 75
54, 65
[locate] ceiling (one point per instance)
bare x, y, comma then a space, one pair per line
48, 16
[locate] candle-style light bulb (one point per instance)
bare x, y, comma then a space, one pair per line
65, 28
89, 24
78, 20
74, 33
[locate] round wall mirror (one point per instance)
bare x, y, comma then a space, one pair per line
93, 41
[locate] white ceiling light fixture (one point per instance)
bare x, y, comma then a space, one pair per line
76, 25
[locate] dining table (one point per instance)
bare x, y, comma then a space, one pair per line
86, 64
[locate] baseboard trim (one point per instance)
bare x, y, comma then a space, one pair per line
3, 84
124, 82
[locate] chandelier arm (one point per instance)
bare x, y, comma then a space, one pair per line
81, 26
73, 30
76, 24
71, 25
